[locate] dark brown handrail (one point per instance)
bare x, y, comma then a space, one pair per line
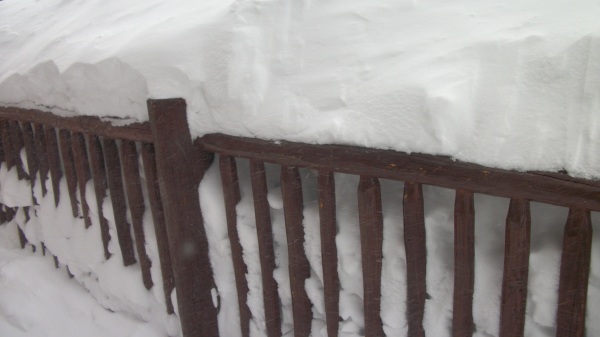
85, 124
426, 169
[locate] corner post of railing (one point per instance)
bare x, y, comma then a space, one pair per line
178, 183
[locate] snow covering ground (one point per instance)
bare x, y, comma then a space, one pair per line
511, 84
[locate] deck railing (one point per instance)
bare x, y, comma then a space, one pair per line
86, 148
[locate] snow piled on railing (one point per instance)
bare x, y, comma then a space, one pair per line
512, 84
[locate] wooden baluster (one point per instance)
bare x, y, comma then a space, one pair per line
574, 274
516, 269
32, 168
265, 248
331, 282
32, 161
82, 170
42, 156
53, 162
69, 167
2, 156
131, 171
9, 153
16, 136
160, 228
2, 159
231, 195
416, 257
99, 177
117, 196
299, 268
371, 239
464, 264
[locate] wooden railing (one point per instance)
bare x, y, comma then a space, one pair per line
180, 165
81, 149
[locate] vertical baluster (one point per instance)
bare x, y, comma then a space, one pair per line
265, 248
53, 162
371, 241
331, 282
231, 195
464, 264
16, 139
574, 274
160, 227
32, 161
3, 215
82, 170
131, 171
516, 268
9, 153
299, 268
69, 167
32, 168
2, 156
16, 136
416, 257
117, 196
99, 177
42, 156
23, 238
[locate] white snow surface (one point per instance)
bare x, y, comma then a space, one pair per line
513, 84
510, 84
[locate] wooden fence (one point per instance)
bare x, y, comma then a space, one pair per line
86, 148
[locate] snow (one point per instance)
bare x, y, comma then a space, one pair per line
512, 84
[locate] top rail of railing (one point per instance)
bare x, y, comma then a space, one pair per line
552, 188
85, 124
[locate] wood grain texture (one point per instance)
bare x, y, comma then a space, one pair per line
117, 197
96, 155
42, 155
231, 195
299, 268
416, 257
264, 231
371, 241
82, 170
418, 168
66, 151
574, 274
84, 124
516, 269
133, 186
464, 264
53, 162
175, 155
328, 221
160, 228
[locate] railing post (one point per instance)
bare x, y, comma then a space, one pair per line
187, 239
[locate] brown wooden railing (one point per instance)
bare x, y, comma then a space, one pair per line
81, 149
176, 165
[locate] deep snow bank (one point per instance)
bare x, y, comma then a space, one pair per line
512, 84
